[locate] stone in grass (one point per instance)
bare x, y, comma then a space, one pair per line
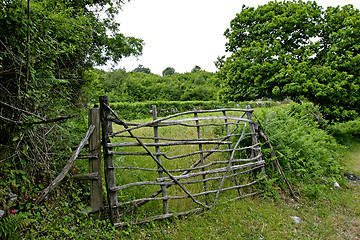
296, 219
336, 184
2, 212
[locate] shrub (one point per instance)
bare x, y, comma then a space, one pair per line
346, 131
304, 150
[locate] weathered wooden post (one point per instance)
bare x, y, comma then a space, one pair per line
96, 191
158, 157
229, 146
202, 159
254, 135
106, 127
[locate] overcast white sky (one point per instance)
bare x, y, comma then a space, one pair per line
184, 33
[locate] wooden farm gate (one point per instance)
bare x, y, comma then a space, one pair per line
178, 164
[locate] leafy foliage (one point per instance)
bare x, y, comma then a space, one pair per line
139, 86
141, 110
297, 50
47, 47
63, 217
305, 151
47, 51
11, 227
346, 131
168, 71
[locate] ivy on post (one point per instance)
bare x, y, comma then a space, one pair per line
106, 127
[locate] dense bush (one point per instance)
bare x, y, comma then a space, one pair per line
47, 52
347, 131
304, 150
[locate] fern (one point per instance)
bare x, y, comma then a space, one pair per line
11, 226
304, 150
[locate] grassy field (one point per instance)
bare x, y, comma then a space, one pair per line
333, 214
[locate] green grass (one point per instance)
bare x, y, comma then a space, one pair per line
335, 214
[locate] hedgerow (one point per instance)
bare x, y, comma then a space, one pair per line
141, 110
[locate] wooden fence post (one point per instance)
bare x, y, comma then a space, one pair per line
158, 157
96, 196
229, 147
202, 159
106, 127
254, 135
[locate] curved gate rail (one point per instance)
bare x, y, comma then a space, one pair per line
219, 153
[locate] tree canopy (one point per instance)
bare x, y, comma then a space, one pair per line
142, 69
168, 71
298, 50
46, 49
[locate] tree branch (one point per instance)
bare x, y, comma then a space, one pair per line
22, 110
67, 167
40, 122
56, 119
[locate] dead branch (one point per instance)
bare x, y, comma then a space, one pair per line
55, 119
58, 119
22, 110
67, 167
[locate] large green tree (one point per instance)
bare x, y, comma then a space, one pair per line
298, 50
168, 71
47, 51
